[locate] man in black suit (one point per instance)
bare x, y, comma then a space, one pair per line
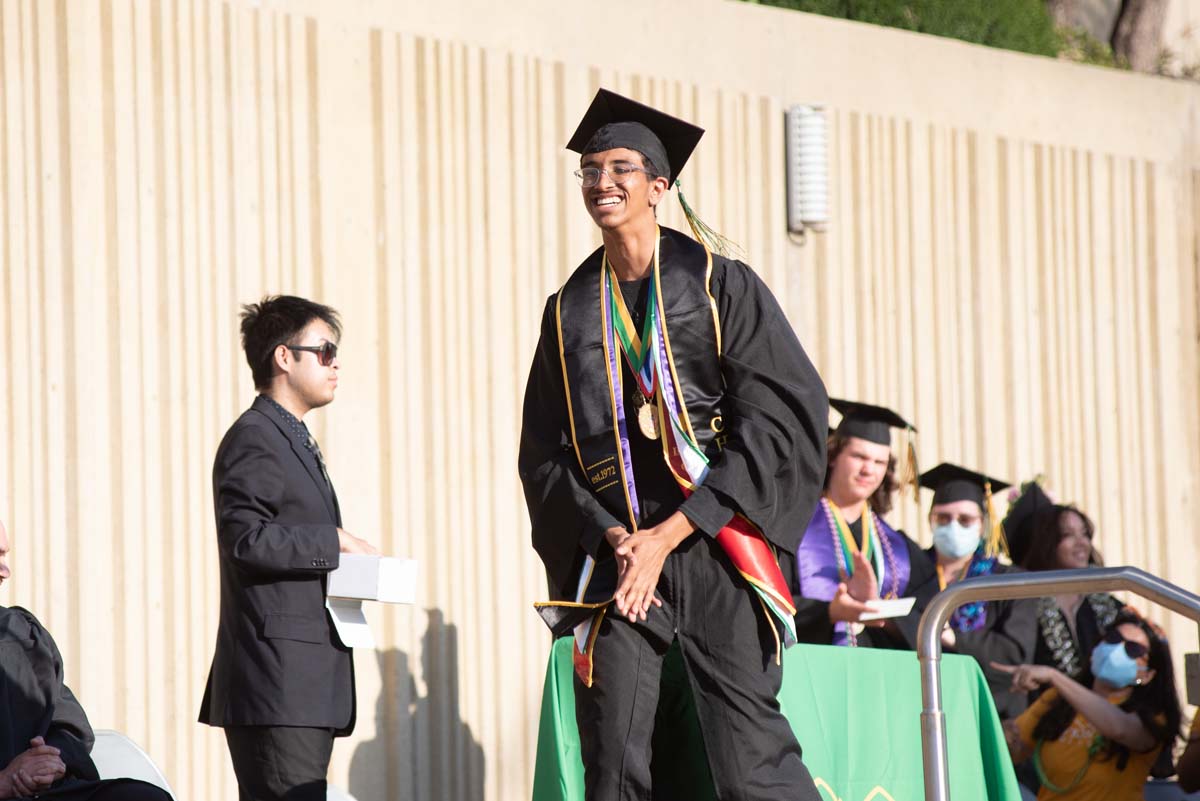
281, 683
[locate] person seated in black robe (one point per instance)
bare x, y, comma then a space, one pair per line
849, 555
1044, 535
45, 738
968, 542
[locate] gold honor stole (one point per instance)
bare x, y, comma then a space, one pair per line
744, 544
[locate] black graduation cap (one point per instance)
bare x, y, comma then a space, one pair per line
951, 483
614, 121
872, 423
1021, 517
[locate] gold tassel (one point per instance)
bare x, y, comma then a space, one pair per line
996, 542
706, 235
912, 473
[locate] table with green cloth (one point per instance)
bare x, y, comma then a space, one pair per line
856, 713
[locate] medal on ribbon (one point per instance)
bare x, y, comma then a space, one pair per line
637, 351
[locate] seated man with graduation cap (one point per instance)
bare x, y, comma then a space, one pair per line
849, 555
672, 440
968, 542
45, 739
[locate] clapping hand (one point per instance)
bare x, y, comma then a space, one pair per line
862, 584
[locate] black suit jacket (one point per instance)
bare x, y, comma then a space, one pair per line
278, 660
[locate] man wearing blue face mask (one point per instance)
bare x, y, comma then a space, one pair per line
1099, 742
968, 541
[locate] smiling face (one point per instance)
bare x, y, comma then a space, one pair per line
1074, 549
615, 205
857, 471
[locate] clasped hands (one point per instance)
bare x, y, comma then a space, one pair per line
640, 558
32, 771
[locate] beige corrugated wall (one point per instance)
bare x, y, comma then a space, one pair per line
1012, 263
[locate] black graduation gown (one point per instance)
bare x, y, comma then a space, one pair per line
1007, 637
812, 616
37, 703
767, 465
1058, 647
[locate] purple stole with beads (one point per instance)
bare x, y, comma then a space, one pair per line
820, 562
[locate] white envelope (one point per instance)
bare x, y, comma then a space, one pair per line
892, 607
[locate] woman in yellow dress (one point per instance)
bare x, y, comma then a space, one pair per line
1099, 743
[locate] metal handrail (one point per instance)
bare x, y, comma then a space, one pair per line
996, 588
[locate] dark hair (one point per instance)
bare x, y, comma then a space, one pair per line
652, 170
1047, 534
277, 320
881, 499
1156, 703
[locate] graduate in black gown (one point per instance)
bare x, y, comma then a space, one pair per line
45, 738
672, 440
967, 542
849, 555
1049, 536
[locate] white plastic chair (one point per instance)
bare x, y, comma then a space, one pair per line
335, 793
118, 757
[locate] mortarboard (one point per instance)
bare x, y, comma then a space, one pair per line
874, 424
613, 121
1021, 516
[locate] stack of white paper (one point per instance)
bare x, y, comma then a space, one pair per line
361, 578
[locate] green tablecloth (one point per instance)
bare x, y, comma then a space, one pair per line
863, 745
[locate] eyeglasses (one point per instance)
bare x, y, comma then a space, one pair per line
325, 353
966, 521
619, 173
1133, 649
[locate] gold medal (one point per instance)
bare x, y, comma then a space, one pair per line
646, 417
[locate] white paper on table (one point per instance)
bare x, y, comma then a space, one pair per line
885, 608
350, 622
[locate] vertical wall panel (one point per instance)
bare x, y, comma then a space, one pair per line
1024, 290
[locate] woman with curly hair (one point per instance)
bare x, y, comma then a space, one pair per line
1099, 741
849, 556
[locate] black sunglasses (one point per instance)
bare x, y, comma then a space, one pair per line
1134, 650
325, 353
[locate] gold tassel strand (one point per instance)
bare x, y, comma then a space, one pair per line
996, 542
706, 235
912, 472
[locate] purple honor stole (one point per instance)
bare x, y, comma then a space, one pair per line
819, 562
973, 616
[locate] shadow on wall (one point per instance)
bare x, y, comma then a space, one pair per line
422, 748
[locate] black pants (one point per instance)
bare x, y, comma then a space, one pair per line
106, 790
728, 651
280, 763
